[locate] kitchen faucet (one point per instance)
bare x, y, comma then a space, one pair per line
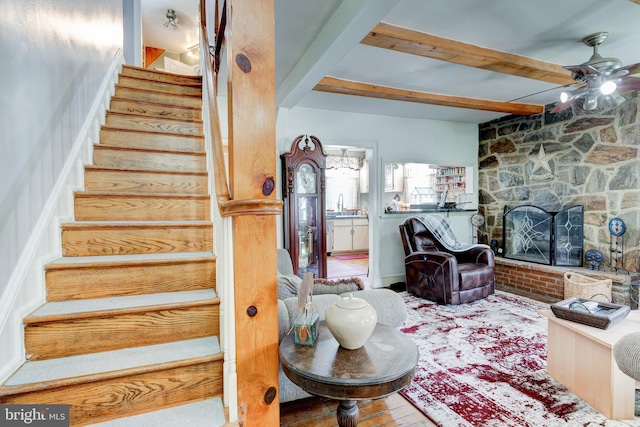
341, 203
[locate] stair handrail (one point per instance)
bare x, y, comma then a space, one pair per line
226, 204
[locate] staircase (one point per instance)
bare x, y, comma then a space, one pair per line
131, 322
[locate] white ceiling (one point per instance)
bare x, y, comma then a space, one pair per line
155, 34
315, 39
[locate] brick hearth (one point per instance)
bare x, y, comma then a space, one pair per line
548, 280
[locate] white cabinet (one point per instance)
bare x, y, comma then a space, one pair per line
350, 235
360, 236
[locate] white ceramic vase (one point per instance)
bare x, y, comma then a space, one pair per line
351, 321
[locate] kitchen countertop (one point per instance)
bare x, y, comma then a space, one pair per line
415, 211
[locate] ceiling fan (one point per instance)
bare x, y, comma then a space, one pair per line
598, 80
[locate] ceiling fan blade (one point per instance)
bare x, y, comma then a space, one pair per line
563, 106
546, 90
628, 84
626, 70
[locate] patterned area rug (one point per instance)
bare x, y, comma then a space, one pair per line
484, 364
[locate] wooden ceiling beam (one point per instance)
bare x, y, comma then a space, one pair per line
388, 36
347, 87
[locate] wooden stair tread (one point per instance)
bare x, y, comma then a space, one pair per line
130, 260
103, 193
148, 150
195, 84
159, 92
147, 70
204, 413
151, 171
135, 224
158, 104
149, 95
42, 374
148, 116
134, 303
155, 132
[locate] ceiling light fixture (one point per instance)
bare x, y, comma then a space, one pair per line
607, 88
172, 19
599, 79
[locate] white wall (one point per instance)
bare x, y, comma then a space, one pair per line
56, 55
392, 138
132, 23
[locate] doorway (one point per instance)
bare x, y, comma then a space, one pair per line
347, 216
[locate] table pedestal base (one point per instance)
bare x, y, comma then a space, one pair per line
348, 413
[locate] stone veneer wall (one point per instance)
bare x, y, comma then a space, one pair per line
558, 160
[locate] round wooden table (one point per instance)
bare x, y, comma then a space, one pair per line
385, 364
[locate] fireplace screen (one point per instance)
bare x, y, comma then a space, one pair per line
535, 235
527, 234
568, 236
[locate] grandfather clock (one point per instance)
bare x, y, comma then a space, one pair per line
304, 205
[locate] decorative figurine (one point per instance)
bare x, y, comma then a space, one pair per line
594, 258
494, 246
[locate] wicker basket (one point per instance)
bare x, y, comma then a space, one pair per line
578, 285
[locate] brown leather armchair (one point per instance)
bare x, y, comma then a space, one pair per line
442, 272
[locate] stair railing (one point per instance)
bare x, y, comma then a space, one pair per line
226, 204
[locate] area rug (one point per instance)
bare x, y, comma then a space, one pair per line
351, 256
484, 364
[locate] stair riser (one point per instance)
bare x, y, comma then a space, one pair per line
144, 182
153, 124
91, 241
73, 336
140, 208
151, 141
160, 77
128, 159
158, 97
157, 110
113, 398
160, 86
105, 282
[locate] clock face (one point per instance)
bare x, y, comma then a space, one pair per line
306, 179
477, 220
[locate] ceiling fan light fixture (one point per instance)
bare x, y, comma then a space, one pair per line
608, 87
172, 19
617, 98
590, 102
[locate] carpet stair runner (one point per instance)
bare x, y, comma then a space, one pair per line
129, 333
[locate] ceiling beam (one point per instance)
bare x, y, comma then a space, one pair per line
416, 43
347, 87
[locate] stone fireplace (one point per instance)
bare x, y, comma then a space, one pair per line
555, 161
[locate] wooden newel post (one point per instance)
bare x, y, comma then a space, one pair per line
252, 171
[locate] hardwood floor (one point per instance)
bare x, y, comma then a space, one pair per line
341, 268
392, 410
